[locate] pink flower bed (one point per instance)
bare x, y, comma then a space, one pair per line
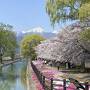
71, 87
44, 70
38, 85
49, 73
38, 62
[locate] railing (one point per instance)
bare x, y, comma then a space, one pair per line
49, 83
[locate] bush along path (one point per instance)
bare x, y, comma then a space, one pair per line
48, 79
32, 81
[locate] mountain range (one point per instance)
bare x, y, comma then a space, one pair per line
38, 30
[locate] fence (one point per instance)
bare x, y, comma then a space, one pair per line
49, 83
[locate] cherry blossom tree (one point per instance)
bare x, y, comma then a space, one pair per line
66, 47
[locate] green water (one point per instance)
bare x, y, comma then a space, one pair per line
13, 77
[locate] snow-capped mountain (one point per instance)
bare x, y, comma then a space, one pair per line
37, 30
34, 30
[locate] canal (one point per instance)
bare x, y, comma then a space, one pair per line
13, 77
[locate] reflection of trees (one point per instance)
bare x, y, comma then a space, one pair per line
8, 78
1, 72
23, 74
11, 75
5, 85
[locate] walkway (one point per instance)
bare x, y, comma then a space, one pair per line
8, 62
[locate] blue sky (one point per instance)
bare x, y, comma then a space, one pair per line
25, 14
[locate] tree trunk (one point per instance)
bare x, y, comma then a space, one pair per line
1, 59
68, 65
83, 66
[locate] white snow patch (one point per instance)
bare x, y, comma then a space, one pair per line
37, 29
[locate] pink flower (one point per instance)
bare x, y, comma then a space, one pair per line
71, 87
37, 83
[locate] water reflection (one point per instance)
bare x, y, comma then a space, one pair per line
13, 77
23, 75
